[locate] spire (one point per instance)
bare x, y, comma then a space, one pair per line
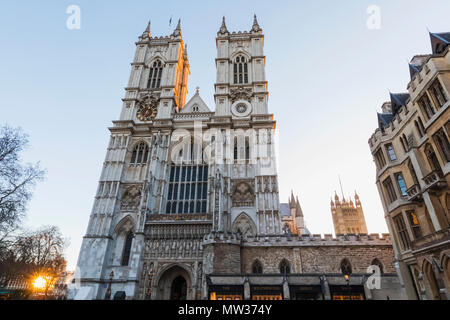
223, 28
147, 31
298, 211
342, 190
185, 50
256, 27
177, 31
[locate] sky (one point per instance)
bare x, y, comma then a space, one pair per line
328, 75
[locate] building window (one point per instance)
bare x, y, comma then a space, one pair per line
401, 185
404, 145
419, 129
140, 154
376, 262
438, 93
285, 267
389, 187
127, 249
443, 145
380, 160
391, 152
402, 232
240, 70
427, 106
346, 267
154, 78
188, 183
257, 267
414, 223
432, 159
241, 148
413, 173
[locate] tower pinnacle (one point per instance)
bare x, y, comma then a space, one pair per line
256, 27
223, 28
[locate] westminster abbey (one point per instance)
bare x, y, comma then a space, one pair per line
187, 206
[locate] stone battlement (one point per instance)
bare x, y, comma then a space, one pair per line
294, 240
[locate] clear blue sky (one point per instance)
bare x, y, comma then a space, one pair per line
327, 72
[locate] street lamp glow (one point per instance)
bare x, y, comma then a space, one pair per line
39, 283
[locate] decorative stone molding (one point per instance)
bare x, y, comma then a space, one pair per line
241, 93
131, 197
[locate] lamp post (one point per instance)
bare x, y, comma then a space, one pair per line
108, 290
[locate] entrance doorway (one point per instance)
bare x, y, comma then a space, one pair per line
179, 289
174, 284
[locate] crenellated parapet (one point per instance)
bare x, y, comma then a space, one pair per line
319, 240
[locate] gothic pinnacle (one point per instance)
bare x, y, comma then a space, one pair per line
177, 31
223, 28
147, 32
256, 26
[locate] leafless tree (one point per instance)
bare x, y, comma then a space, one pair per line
16, 182
36, 252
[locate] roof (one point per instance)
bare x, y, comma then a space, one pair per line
416, 63
439, 41
384, 119
398, 100
195, 101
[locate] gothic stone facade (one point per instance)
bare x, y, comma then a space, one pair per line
187, 205
411, 151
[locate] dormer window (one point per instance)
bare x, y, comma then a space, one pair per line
240, 70
154, 78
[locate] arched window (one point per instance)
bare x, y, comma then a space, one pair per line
432, 159
240, 70
402, 185
140, 154
127, 249
403, 145
188, 181
247, 148
376, 262
443, 145
285, 267
346, 267
257, 267
419, 129
154, 78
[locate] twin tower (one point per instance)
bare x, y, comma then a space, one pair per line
182, 184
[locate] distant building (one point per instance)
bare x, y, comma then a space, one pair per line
348, 217
292, 217
411, 151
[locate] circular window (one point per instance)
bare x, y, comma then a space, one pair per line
241, 108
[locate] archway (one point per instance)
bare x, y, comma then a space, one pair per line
174, 283
433, 287
178, 291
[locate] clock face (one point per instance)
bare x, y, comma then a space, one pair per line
146, 112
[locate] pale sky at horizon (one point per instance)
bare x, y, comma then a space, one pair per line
328, 75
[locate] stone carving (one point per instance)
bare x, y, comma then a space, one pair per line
241, 93
243, 195
131, 198
244, 225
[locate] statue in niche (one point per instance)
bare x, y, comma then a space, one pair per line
243, 195
131, 198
